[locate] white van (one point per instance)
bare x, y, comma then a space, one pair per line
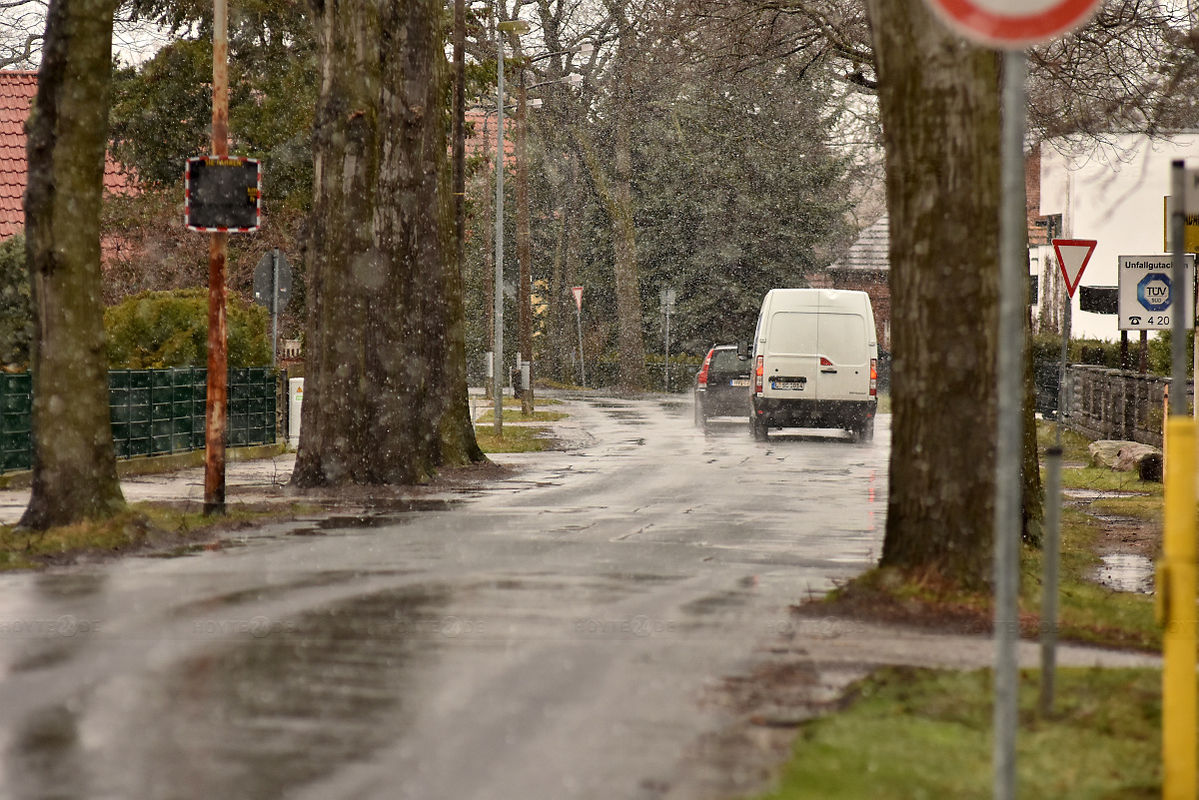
815, 360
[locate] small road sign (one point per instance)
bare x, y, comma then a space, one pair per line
577, 291
1073, 256
1147, 292
1013, 24
264, 279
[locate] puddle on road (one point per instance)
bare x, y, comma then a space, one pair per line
1096, 494
1126, 572
397, 511
278, 708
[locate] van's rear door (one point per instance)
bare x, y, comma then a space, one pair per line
842, 343
791, 363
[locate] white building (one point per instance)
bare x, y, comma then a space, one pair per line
1113, 193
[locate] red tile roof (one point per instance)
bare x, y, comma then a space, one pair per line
17, 90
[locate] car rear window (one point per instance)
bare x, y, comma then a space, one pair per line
727, 361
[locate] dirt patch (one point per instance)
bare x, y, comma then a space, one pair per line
1128, 535
766, 708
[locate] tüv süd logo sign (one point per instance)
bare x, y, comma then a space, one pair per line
1153, 291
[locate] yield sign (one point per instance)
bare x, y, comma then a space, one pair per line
1072, 257
577, 291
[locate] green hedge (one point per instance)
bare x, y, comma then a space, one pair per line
156, 330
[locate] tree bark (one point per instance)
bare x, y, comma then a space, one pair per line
630, 319
386, 387
939, 101
74, 466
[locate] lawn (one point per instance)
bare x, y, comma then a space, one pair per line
909, 734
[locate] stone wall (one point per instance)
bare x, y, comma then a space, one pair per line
1103, 403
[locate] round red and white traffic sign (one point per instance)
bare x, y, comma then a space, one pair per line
1013, 24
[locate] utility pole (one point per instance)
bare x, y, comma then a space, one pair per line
218, 363
497, 360
524, 240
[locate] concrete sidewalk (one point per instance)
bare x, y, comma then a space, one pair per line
246, 481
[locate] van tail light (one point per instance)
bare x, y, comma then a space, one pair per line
874, 377
824, 362
758, 372
702, 380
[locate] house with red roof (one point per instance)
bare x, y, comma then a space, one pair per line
17, 90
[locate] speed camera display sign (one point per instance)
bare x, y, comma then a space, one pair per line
1013, 24
223, 194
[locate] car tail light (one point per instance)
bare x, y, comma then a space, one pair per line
758, 372
874, 377
702, 379
824, 362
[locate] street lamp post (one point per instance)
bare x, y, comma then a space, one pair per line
497, 359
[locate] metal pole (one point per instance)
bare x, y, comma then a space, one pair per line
1177, 571
667, 365
1053, 493
1178, 323
1053, 515
218, 363
1013, 269
582, 369
274, 305
498, 362
524, 247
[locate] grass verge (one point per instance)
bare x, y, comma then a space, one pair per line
514, 415
525, 439
908, 733
143, 527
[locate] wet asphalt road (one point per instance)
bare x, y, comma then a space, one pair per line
548, 636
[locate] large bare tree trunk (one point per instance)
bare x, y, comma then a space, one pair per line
939, 99
624, 240
386, 386
74, 467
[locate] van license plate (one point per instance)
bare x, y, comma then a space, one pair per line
739, 382
796, 384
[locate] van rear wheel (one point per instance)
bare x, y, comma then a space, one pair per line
865, 431
758, 426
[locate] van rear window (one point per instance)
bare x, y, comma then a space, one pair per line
843, 338
792, 333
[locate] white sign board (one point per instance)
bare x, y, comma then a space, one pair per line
1147, 293
1013, 24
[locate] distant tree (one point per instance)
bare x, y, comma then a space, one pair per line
739, 191
74, 466
939, 101
16, 313
155, 330
385, 394
162, 111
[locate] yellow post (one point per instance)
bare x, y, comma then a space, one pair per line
1176, 591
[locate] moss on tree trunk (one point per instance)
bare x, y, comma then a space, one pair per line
385, 397
74, 467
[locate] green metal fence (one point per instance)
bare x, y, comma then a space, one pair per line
153, 412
